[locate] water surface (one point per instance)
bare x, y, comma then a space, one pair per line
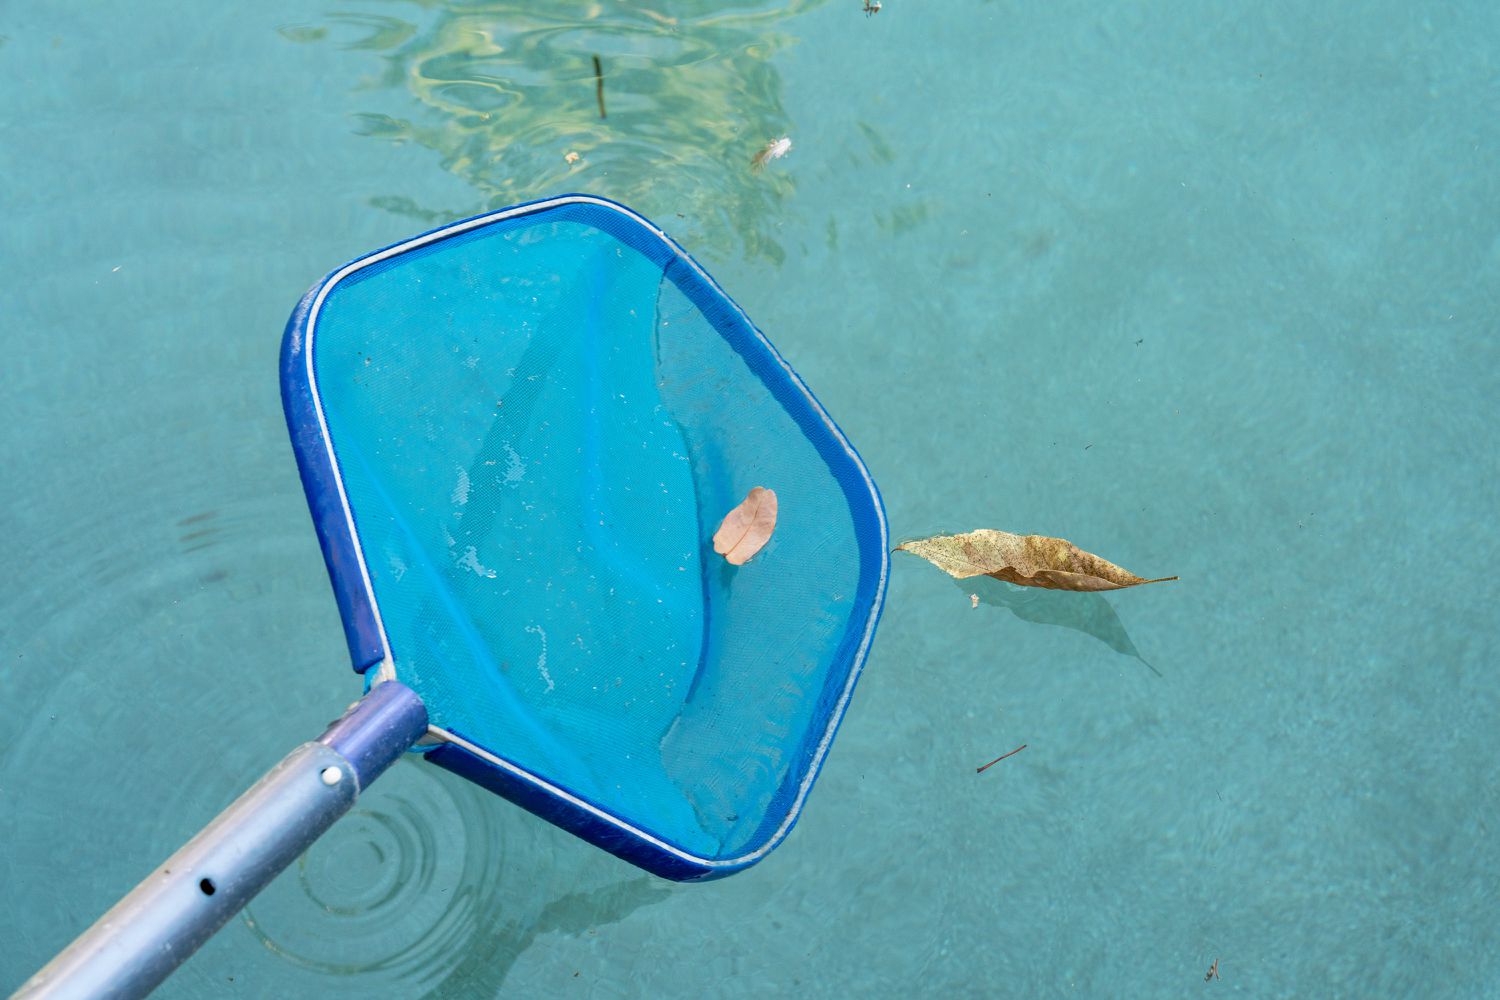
1211, 293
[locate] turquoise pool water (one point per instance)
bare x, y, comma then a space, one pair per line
1209, 293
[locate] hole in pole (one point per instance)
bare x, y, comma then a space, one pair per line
207, 885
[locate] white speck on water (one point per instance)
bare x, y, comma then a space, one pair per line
773, 150
515, 469
470, 561
471, 361
541, 660
398, 568
461, 488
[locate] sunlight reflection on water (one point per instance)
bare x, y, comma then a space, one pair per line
506, 92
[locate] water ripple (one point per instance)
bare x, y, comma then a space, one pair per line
433, 887
396, 887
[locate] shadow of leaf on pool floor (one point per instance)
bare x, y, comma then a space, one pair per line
1090, 614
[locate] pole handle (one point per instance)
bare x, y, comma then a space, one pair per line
160, 923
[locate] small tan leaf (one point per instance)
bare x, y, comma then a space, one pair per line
1028, 560
748, 527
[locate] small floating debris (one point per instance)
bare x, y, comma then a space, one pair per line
774, 150
599, 84
571, 157
981, 770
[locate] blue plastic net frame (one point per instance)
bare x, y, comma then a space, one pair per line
369, 645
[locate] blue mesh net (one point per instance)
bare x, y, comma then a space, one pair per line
539, 423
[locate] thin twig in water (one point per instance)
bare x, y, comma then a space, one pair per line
979, 770
599, 84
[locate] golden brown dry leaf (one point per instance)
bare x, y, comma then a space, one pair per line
748, 527
1028, 560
